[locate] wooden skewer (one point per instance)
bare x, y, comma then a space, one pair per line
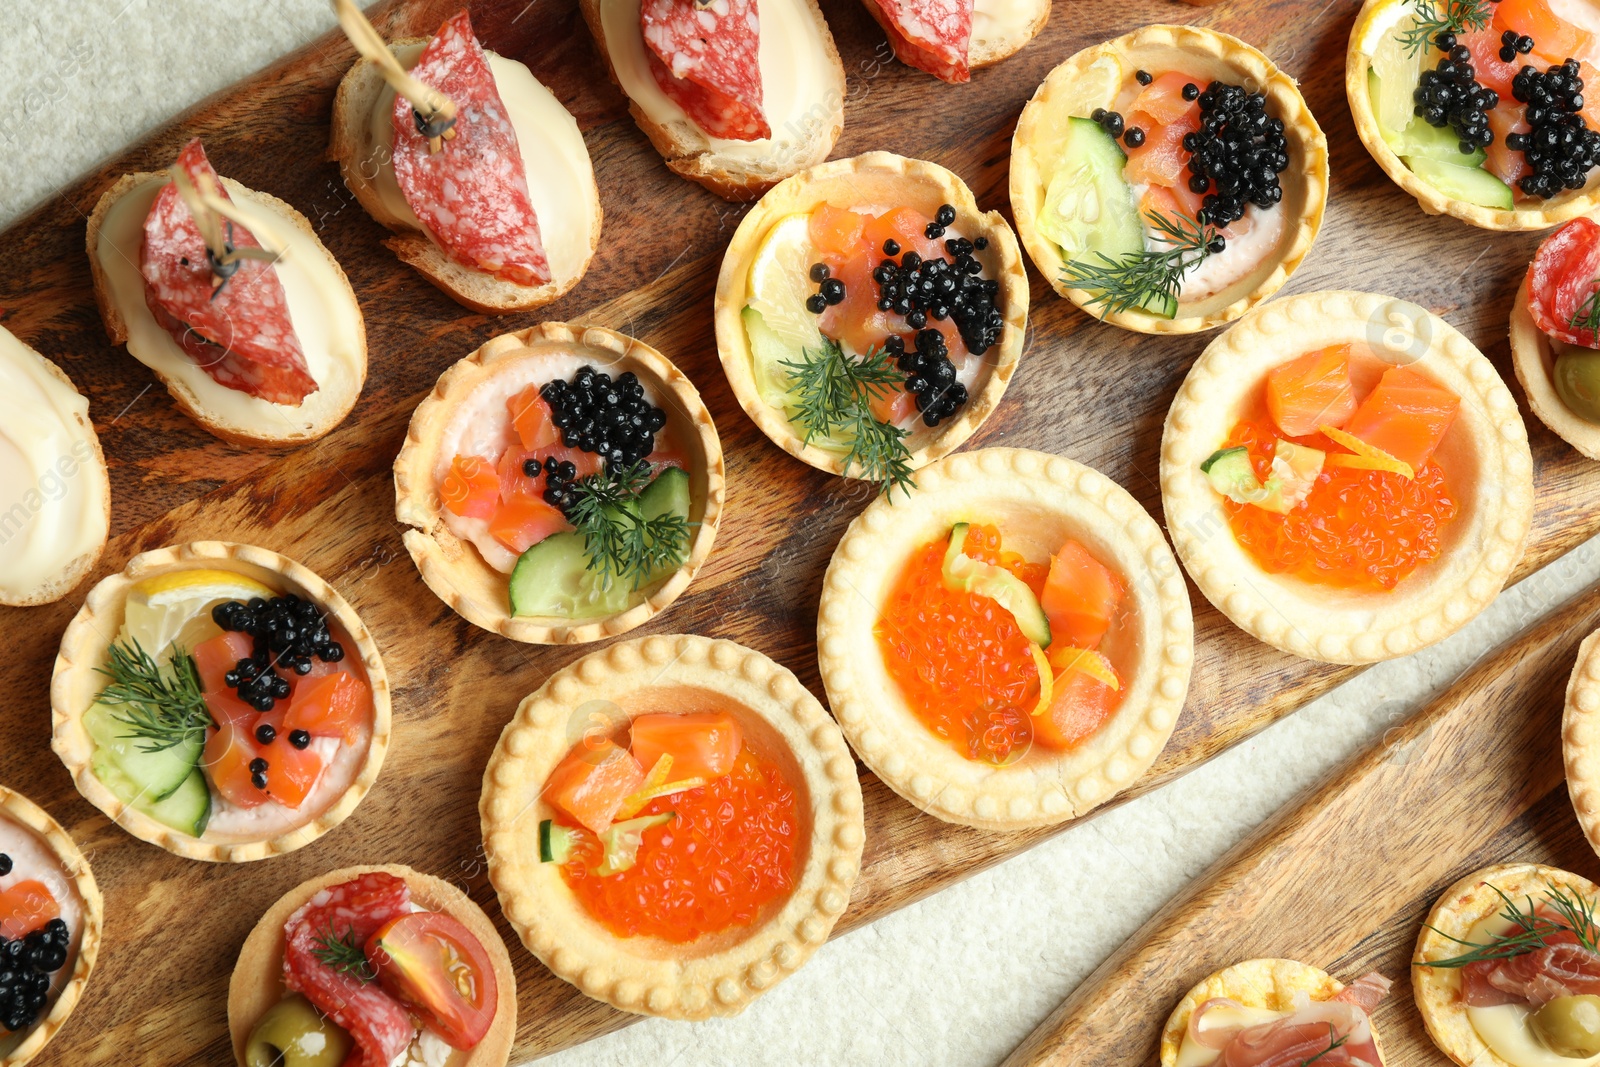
209, 210
428, 102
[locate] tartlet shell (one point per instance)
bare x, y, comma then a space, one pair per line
1534, 361
1580, 738
21, 810
871, 179
1259, 983
1312, 621
1305, 183
1468, 902
75, 683
1570, 204
1048, 498
256, 983
641, 974
455, 571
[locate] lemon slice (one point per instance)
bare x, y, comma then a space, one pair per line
1397, 73
1095, 86
176, 607
1064, 658
780, 282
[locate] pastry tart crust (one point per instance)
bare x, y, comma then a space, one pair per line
76, 682
1376, 20
1534, 360
257, 980
1580, 738
1038, 500
1092, 78
453, 568
1260, 983
874, 179
1485, 539
719, 974
1458, 909
28, 815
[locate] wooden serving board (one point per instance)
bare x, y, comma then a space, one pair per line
1087, 391
1344, 880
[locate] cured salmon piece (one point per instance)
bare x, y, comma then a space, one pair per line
707, 59
532, 419
1507, 164
592, 782
240, 333
1312, 391
335, 704
1489, 70
1554, 39
471, 488
1080, 704
1166, 118
1080, 597
520, 524
931, 35
1407, 416
472, 194
26, 906
701, 744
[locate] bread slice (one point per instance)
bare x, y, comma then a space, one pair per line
688, 151
263, 434
350, 145
987, 51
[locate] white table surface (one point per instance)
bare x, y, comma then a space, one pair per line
958, 979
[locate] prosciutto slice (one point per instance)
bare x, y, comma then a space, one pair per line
1563, 968
1335, 1032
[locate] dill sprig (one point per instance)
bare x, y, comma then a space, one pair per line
1333, 1043
1455, 16
1132, 281
162, 708
1587, 317
342, 954
834, 399
1533, 930
619, 539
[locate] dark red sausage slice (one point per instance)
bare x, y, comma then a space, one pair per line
708, 61
931, 35
472, 195
1561, 278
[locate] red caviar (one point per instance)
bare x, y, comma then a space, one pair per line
1357, 528
959, 658
727, 855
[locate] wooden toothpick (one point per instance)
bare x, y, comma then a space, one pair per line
210, 211
435, 112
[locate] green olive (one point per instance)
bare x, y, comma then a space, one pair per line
1577, 377
294, 1034
1570, 1026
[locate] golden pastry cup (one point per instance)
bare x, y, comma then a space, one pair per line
1580, 738
1092, 79
454, 569
718, 974
1534, 361
257, 980
874, 179
1376, 19
1485, 455
76, 682
1038, 501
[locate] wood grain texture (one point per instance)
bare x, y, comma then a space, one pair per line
1344, 880
1089, 392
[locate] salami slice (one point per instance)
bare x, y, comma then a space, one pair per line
472, 194
931, 35
708, 61
350, 912
241, 334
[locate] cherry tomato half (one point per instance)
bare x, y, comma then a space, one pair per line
436, 965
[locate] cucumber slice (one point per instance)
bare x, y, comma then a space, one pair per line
186, 809
1230, 472
1294, 472
622, 840
555, 842
553, 579
1419, 139
1088, 205
668, 494
962, 572
1472, 184
768, 353
157, 774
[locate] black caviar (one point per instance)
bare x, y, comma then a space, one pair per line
299, 738
560, 477
1449, 95
288, 631
1511, 45
610, 418
1559, 147
1237, 153
930, 376
26, 964
1109, 121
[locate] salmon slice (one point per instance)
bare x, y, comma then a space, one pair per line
522, 523
532, 419
592, 782
1162, 100
1507, 164
1312, 391
1553, 38
701, 744
835, 231
26, 906
333, 705
1407, 416
471, 489
1162, 159
1490, 70
1080, 597
1079, 705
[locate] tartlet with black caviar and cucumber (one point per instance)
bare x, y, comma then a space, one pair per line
221, 701
869, 316
561, 484
1168, 180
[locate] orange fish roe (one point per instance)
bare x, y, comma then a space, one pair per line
728, 854
1357, 528
959, 659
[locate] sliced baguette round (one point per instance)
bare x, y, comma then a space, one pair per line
263, 434
989, 50
350, 145
689, 152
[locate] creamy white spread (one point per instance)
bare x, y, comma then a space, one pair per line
799, 91
428, 1049
32, 858
341, 763
1002, 20
560, 177
326, 318
52, 493
1504, 1027
1243, 254
481, 426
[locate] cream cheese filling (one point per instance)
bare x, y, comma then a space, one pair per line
1002, 20
52, 497
326, 318
798, 79
1504, 1027
555, 160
